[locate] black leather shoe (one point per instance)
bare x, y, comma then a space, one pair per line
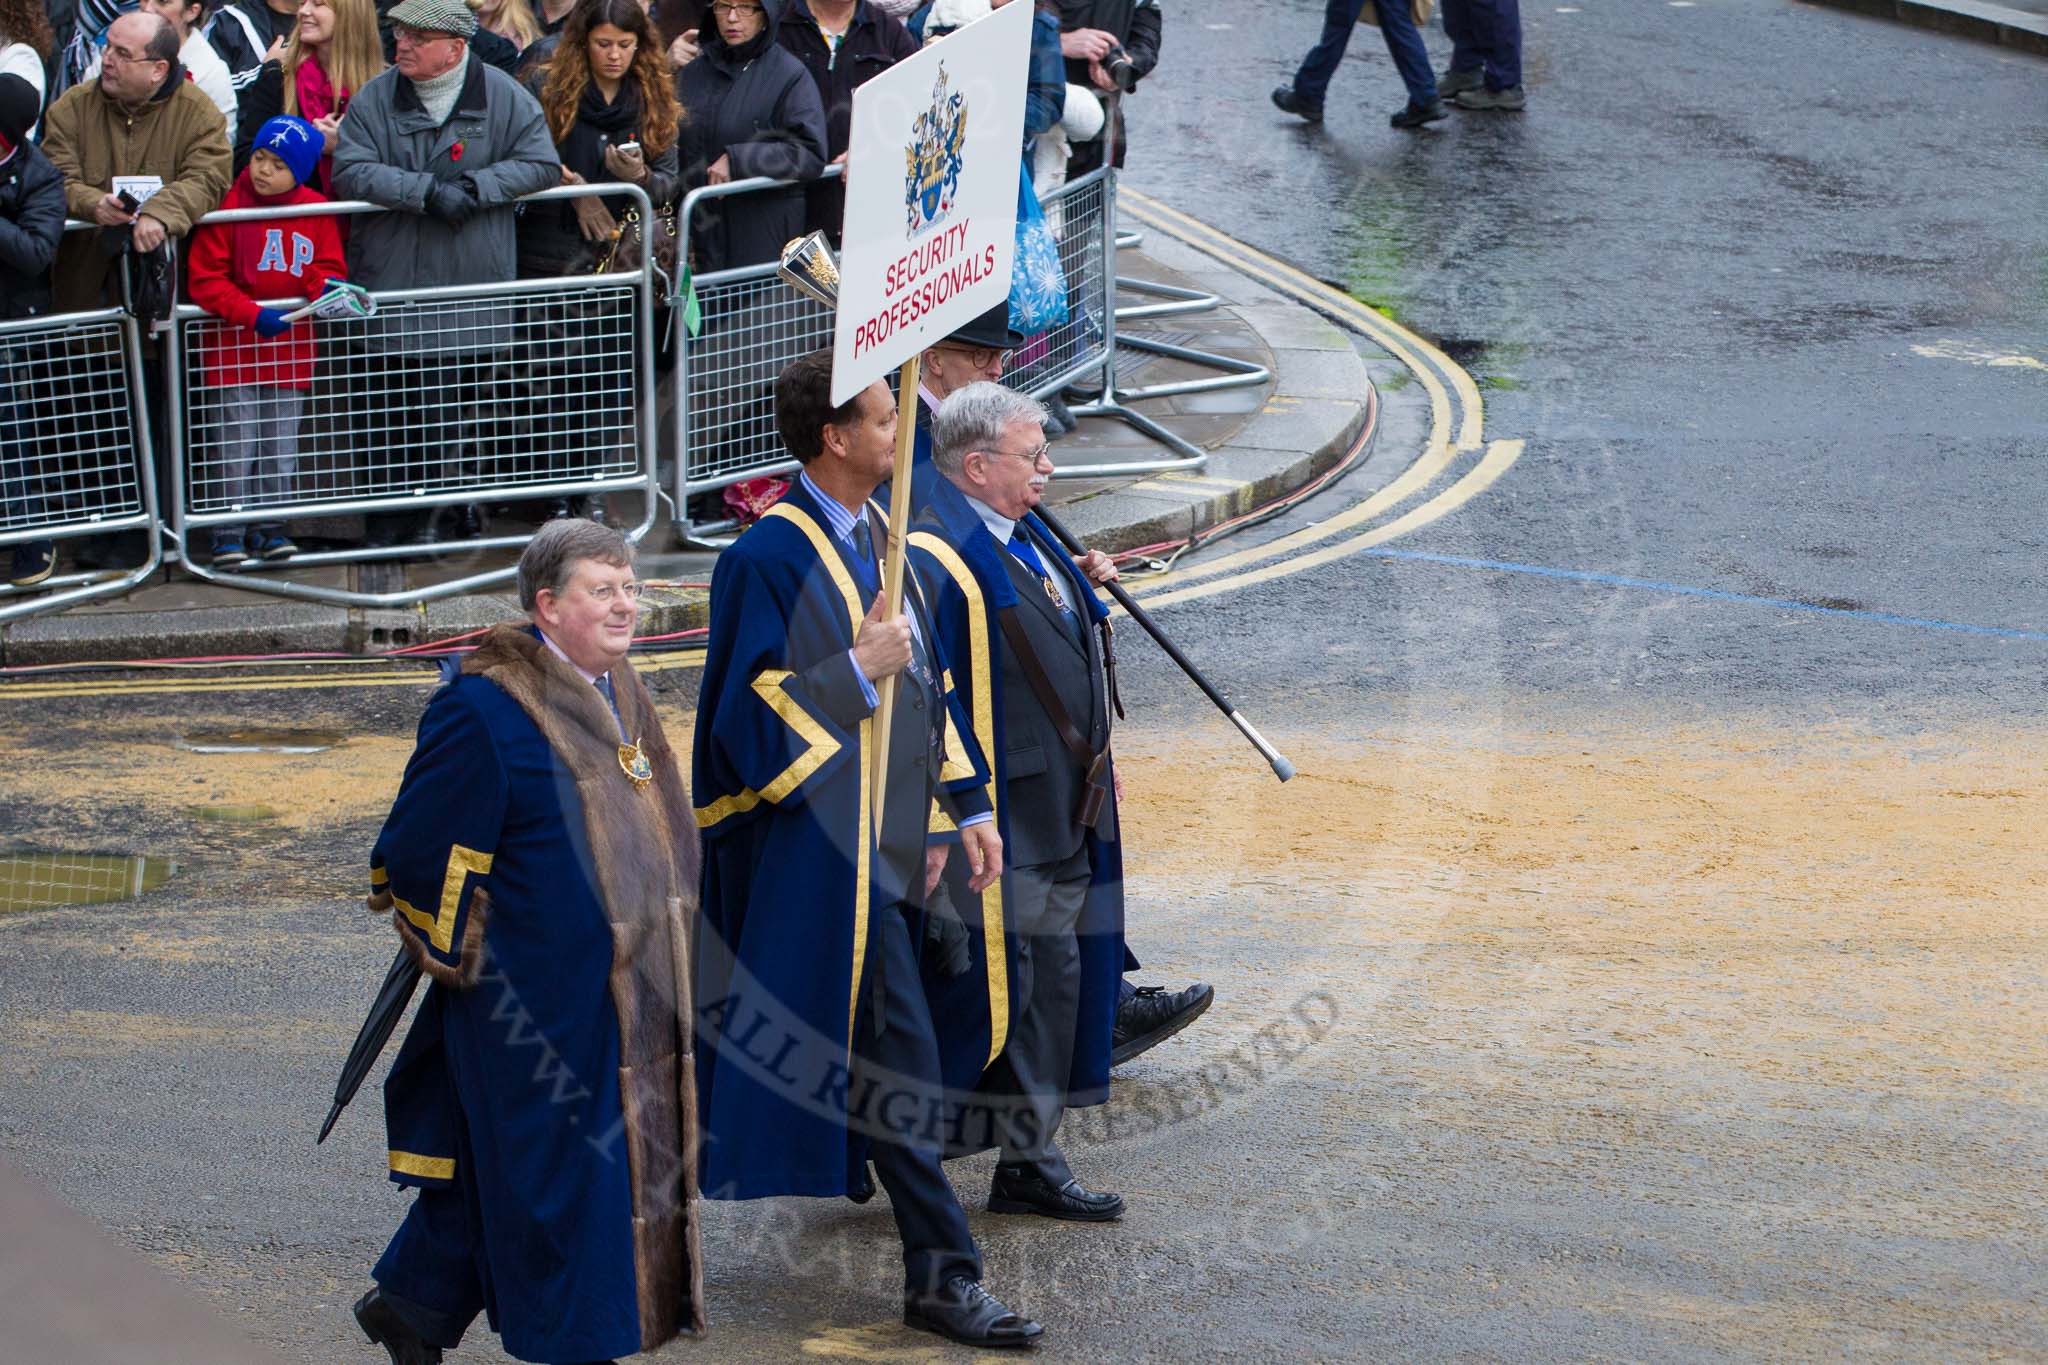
970, 1315
1152, 1016
1285, 100
862, 1187
382, 1325
1022, 1191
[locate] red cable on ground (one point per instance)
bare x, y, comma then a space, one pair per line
1277, 505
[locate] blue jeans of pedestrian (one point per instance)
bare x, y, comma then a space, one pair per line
1404, 45
1486, 34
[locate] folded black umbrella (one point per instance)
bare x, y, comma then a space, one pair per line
389, 1008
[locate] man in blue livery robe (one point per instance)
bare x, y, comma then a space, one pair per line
815, 1044
979, 352
1020, 622
539, 864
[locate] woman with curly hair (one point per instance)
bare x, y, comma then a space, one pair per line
25, 47
333, 53
610, 100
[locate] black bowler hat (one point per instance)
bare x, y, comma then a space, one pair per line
991, 329
20, 107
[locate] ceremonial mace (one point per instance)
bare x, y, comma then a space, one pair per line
807, 266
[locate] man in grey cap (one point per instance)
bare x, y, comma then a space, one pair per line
450, 143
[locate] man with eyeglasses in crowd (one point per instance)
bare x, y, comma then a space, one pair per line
144, 153
1027, 639
538, 864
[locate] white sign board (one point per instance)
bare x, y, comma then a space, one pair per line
931, 196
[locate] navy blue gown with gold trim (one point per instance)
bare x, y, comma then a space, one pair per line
780, 775
503, 1106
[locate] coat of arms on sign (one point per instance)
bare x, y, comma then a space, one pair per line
932, 160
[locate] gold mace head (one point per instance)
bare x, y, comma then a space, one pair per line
808, 267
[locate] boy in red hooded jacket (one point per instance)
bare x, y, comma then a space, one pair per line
264, 373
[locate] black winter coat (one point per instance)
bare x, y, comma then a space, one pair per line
1135, 24
550, 242
31, 226
763, 112
874, 42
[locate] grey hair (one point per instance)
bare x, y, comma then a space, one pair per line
559, 547
974, 417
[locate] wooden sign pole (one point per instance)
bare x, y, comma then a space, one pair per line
892, 574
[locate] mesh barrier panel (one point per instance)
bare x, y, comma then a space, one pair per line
67, 428
428, 397
1076, 218
752, 328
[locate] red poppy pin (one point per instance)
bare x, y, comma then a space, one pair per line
455, 152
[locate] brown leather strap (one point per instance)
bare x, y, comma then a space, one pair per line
1042, 688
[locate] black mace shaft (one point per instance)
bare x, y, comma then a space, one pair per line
1282, 768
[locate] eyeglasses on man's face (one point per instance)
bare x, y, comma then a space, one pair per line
1041, 451
981, 357
607, 593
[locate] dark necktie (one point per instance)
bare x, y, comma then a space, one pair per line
864, 559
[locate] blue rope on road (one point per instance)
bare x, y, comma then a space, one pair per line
1715, 594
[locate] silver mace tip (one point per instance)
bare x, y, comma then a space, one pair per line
808, 266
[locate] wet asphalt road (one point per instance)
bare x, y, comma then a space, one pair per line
1764, 286
1660, 1079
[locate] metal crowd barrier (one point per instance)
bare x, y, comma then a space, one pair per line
74, 460
531, 388
527, 389
752, 325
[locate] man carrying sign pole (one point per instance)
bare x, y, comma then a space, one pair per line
827, 726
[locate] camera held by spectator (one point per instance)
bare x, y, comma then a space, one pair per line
1122, 70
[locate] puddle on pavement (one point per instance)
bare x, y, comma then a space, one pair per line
232, 815
38, 880
262, 741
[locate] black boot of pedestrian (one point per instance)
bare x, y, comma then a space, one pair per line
1415, 115
382, 1325
1285, 100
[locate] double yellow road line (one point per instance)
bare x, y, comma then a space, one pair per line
1457, 419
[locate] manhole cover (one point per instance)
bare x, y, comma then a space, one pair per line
262, 741
36, 881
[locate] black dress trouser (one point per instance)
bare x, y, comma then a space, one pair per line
898, 1100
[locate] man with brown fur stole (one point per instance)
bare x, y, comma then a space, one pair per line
541, 865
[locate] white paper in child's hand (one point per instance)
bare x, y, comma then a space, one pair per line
140, 186
341, 301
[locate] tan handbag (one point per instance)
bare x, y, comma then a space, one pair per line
1422, 10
